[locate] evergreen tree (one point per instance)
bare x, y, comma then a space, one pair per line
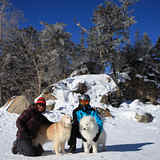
58, 49
110, 33
156, 51
138, 57
34, 60
156, 56
9, 20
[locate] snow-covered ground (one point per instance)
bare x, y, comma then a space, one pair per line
127, 139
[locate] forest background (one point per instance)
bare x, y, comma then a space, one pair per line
32, 59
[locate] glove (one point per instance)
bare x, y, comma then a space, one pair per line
97, 136
83, 139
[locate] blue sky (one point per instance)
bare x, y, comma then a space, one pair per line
146, 12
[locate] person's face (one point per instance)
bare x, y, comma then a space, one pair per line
84, 102
41, 107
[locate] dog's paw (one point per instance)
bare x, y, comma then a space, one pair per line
59, 154
64, 152
86, 151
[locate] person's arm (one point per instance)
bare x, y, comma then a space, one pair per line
100, 125
44, 120
98, 120
22, 119
75, 120
21, 122
76, 124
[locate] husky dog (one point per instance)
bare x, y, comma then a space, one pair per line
58, 132
89, 130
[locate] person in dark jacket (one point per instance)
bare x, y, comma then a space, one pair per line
28, 124
84, 109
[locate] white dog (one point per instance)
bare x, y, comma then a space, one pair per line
89, 129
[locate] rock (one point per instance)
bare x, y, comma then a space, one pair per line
19, 104
103, 112
145, 118
82, 88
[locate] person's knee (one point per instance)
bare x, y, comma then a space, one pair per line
26, 148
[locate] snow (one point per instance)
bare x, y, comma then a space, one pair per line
127, 139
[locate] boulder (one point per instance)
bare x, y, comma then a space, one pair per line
18, 105
144, 118
103, 112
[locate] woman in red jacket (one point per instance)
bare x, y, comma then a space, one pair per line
28, 124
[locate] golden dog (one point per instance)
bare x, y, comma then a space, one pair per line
58, 132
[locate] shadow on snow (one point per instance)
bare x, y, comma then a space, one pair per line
126, 147
113, 148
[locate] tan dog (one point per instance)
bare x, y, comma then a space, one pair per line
58, 133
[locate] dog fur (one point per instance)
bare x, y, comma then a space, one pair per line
58, 132
89, 129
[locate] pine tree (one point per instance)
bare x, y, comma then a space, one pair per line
9, 20
110, 33
156, 51
33, 60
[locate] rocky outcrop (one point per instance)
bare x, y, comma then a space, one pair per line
104, 112
140, 89
18, 105
144, 118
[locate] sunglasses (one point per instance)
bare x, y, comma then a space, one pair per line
42, 104
84, 101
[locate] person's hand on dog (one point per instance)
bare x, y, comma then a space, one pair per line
97, 136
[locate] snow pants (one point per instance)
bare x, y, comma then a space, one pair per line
25, 147
74, 135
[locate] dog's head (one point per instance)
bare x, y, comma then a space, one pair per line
87, 123
66, 120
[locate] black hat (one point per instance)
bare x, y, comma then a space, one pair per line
84, 97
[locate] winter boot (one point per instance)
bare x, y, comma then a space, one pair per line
40, 148
14, 147
72, 149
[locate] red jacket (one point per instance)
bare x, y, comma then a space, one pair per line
28, 123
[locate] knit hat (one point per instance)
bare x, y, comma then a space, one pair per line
41, 100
